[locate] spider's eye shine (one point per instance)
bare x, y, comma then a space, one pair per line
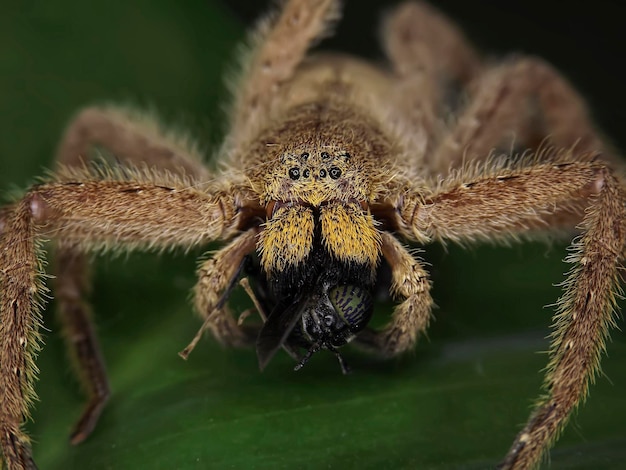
306, 173
294, 173
322, 173
335, 173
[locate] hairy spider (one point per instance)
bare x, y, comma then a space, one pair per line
327, 161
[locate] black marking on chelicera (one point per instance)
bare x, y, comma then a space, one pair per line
276, 330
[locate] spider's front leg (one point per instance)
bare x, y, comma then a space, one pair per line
84, 211
137, 140
512, 202
409, 282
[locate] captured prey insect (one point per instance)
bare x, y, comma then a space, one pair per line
329, 162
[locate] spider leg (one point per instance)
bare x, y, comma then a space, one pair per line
411, 317
71, 286
85, 211
214, 276
514, 202
520, 102
277, 46
426, 51
137, 140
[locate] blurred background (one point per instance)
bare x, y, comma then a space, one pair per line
457, 403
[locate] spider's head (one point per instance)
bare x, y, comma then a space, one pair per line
320, 239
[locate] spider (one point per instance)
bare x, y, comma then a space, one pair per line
329, 163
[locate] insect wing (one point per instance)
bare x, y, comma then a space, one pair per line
276, 330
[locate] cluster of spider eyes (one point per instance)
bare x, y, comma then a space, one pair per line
334, 172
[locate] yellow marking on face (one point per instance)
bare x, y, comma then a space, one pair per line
349, 234
287, 238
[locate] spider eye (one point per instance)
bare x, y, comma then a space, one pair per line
306, 173
294, 173
335, 172
322, 173
325, 156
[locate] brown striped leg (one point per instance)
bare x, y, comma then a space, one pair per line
521, 102
510, 203
135, 139
430, 58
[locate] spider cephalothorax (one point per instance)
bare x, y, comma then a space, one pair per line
329, 162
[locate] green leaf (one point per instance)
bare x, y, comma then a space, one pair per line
456, 403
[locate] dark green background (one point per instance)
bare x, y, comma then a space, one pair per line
456, 403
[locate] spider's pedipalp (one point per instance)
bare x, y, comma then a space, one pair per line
411, 317
214, 276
